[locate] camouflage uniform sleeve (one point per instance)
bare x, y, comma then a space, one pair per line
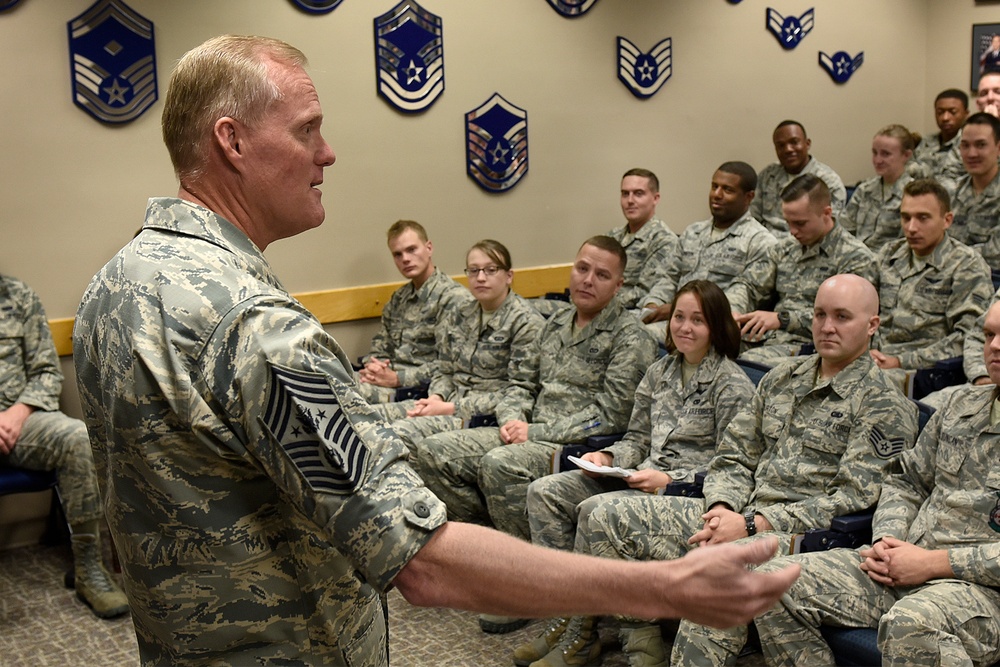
730, 477
518, 392
862, 468
452, 297
633, 351
658, 266
849, 218
731, 392
971, 291
43, 378
445, 332
284, 385
904, 491
760, 251
633, 448
757, 282
382, 346
518, 406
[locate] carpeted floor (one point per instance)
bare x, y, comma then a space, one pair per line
43, 624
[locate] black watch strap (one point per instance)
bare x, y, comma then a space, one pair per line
751, 524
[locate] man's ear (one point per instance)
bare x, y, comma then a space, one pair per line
227, 134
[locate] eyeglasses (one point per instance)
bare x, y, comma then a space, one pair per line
488, 270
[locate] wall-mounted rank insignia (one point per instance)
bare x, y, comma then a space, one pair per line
317, 6
303, 415
7, 4
112, 61
409, 56
841, 66
497, 148
790, 30
572, 8
644, 73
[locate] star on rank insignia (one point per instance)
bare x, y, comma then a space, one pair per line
497, 144
790, 30
841, 66
317, 6
644, 73
113, 61
885, 448
572, 8
304, 417
409, 57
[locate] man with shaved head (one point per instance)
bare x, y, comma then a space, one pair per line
814, 443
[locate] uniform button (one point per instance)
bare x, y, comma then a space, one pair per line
421, 510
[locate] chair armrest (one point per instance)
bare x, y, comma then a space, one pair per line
849, 531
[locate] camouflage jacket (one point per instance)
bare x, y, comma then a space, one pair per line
872, 216
29, 365
256, 501
651, 252
942, 162
766, 205
976, 217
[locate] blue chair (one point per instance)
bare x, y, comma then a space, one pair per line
754, 369
21, 480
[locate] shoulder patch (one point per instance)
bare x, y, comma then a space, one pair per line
883, 447
304, 416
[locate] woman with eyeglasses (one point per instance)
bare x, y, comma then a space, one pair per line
483, 357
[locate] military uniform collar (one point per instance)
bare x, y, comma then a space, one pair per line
843, 383
733, 228
604, 321
806, 169
410, 291
644, 231
903, 252
826, 244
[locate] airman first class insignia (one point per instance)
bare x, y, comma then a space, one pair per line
409, 56
841, 66
644, 73
790, 30
113, 62
572, 8
497, 144
304, 416
317, 6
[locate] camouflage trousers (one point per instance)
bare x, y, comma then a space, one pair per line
504, 476
776, 347
375, 394
944, 622
412, 430
555, 502
53, 441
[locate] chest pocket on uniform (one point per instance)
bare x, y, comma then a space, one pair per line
11, 342
932, 295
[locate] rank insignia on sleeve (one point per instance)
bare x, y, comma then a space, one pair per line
304, 416
790, 30
644, 73
409, 57
885, 448
317, 6
112, 61
572, 8
841, 66
497, 144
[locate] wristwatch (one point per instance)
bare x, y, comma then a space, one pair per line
751, 524
783, 319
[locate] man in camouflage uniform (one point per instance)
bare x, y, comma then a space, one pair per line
404, 352
976, 202
792, 148
814, 443
590, 359
937, 156
795, 268
258, 504
650, 245
930, 581
932, 287
720, 249
36, 436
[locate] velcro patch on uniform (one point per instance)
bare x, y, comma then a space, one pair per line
305, 417
885, 448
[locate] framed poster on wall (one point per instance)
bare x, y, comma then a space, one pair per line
985, 50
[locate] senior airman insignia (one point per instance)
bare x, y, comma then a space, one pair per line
885, 448
409, 56
113, 61
7, 4
790, 30
572, 8
303, 415
317, 6
841, 66
644, 73
995, 515
497, 144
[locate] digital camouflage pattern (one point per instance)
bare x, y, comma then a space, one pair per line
258, 505
927, 309
937, 160
793, 274
872, 214
973, 363
673, 429
651, 252
945, 497
766, 205
585, 380
721, 260
976, 216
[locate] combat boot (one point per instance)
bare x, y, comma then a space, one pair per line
579, 646
642, 644
538, 648
94, 585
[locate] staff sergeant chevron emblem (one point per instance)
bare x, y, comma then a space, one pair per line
790, 30
317, 6
644, 73
572, 8
497, 144
113, 62
841, 66
885, 448
409, 57
304, 416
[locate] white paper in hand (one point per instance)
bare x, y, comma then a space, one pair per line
607, 471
